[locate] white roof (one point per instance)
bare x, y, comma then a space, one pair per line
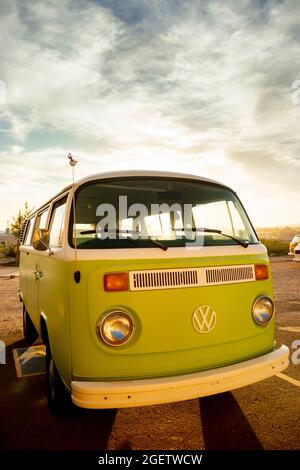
148, 173
131, 173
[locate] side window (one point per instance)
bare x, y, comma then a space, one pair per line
41, 219
29, 230
57, 223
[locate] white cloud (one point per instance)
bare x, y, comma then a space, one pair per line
192, 86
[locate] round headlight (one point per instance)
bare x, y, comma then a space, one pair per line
263, 310
115, 328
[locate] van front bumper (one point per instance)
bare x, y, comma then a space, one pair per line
124, 394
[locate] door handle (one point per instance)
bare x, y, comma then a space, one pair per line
38, 274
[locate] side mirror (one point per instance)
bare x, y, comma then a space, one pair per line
41, 239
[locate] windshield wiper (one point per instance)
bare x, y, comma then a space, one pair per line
149, 240
115, 230
130, 232
244, 243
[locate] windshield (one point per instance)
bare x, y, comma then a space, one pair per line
143, 212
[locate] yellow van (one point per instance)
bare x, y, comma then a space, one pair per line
146, 288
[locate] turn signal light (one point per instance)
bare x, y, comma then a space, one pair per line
115, 281
261, 272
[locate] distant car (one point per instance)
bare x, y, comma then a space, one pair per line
295, 241
297, 253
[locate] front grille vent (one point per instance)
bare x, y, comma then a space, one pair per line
229, 274
189, 277
164, 279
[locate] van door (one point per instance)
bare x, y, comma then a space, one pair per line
53, 289
33, 272
27, 259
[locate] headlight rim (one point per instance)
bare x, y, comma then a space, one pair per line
263, 296
101, 321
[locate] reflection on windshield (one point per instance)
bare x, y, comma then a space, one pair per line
174, 212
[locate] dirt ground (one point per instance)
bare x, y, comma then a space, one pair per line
265, 415
10, 311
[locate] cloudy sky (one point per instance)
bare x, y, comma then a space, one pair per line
205, 87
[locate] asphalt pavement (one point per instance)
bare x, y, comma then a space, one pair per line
265, 415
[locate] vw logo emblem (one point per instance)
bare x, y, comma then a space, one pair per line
204, 319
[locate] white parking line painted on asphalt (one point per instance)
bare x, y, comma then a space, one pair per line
288, 379
292, 329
